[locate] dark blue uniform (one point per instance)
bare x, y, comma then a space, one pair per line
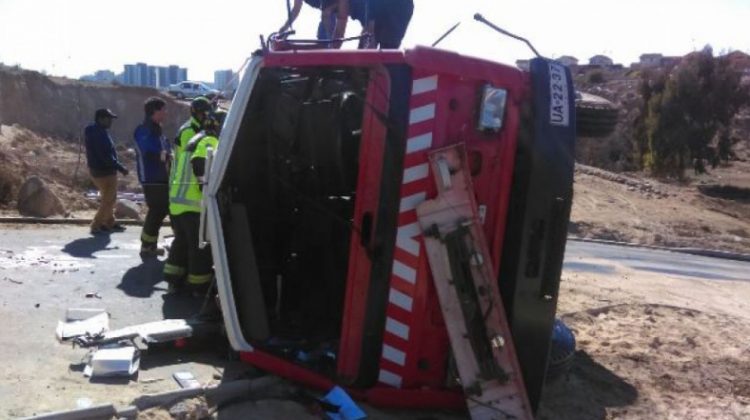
391, 18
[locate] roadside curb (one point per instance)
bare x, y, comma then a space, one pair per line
693, 251
60, 221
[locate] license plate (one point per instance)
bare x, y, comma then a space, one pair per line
559, 107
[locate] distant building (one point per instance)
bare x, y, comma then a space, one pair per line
601, 61
650, 60
141, 74
524, 65
223, 78
670, 61
100, 76
568, 61
141, 71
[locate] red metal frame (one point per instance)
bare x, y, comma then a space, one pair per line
413, 366
368, 195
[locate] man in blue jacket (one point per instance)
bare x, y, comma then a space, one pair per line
154, 154
103, 166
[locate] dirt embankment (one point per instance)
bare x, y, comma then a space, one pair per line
41, 125
61, 108
711, 211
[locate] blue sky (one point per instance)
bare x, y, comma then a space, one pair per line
76, 37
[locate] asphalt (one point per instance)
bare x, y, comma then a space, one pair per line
46, 269
579, 255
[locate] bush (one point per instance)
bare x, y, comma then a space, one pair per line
596, 77
683, 111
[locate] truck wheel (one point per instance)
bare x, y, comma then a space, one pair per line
595, 116
562, 351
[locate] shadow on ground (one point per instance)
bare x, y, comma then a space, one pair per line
181, 306
140, 281
86, 247
585, 392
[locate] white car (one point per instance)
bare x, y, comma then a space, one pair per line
189, 90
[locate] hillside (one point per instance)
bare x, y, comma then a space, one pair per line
711, 210
41, 121
60, 108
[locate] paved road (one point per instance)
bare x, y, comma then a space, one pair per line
44, 271
579, 254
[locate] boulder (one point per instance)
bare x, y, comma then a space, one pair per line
126, 209
36, 199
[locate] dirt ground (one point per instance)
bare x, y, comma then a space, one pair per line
633, 208
653, 346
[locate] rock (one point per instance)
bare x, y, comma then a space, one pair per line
192, 409
36, 199
126, 209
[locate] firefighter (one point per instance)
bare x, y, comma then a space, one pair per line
187, 261
153, 156
200, 108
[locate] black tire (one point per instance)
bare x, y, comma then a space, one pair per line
595, 116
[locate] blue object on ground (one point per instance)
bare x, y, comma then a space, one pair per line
562, 351
348, 410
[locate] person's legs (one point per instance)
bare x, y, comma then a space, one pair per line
157, 200
105, 215
175, 268
200, 262
392, 21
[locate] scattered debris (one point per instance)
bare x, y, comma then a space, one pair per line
150, 332
93, 295
113, 361
12, 280
84, 403
77, 323
186, 380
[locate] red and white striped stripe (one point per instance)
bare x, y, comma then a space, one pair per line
414, 189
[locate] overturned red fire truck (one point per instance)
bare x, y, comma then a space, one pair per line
394, 222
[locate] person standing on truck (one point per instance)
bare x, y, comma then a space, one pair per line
384, 22
328, 16
185, 256
103, 164
154, 154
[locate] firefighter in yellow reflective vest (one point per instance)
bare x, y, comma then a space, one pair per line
200, 107
187, 261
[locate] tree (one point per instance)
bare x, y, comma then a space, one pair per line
682, 112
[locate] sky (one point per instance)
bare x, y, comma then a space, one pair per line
77, 37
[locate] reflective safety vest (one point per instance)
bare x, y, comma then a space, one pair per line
184, 134
185, 192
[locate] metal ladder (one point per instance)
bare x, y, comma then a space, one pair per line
469, 297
